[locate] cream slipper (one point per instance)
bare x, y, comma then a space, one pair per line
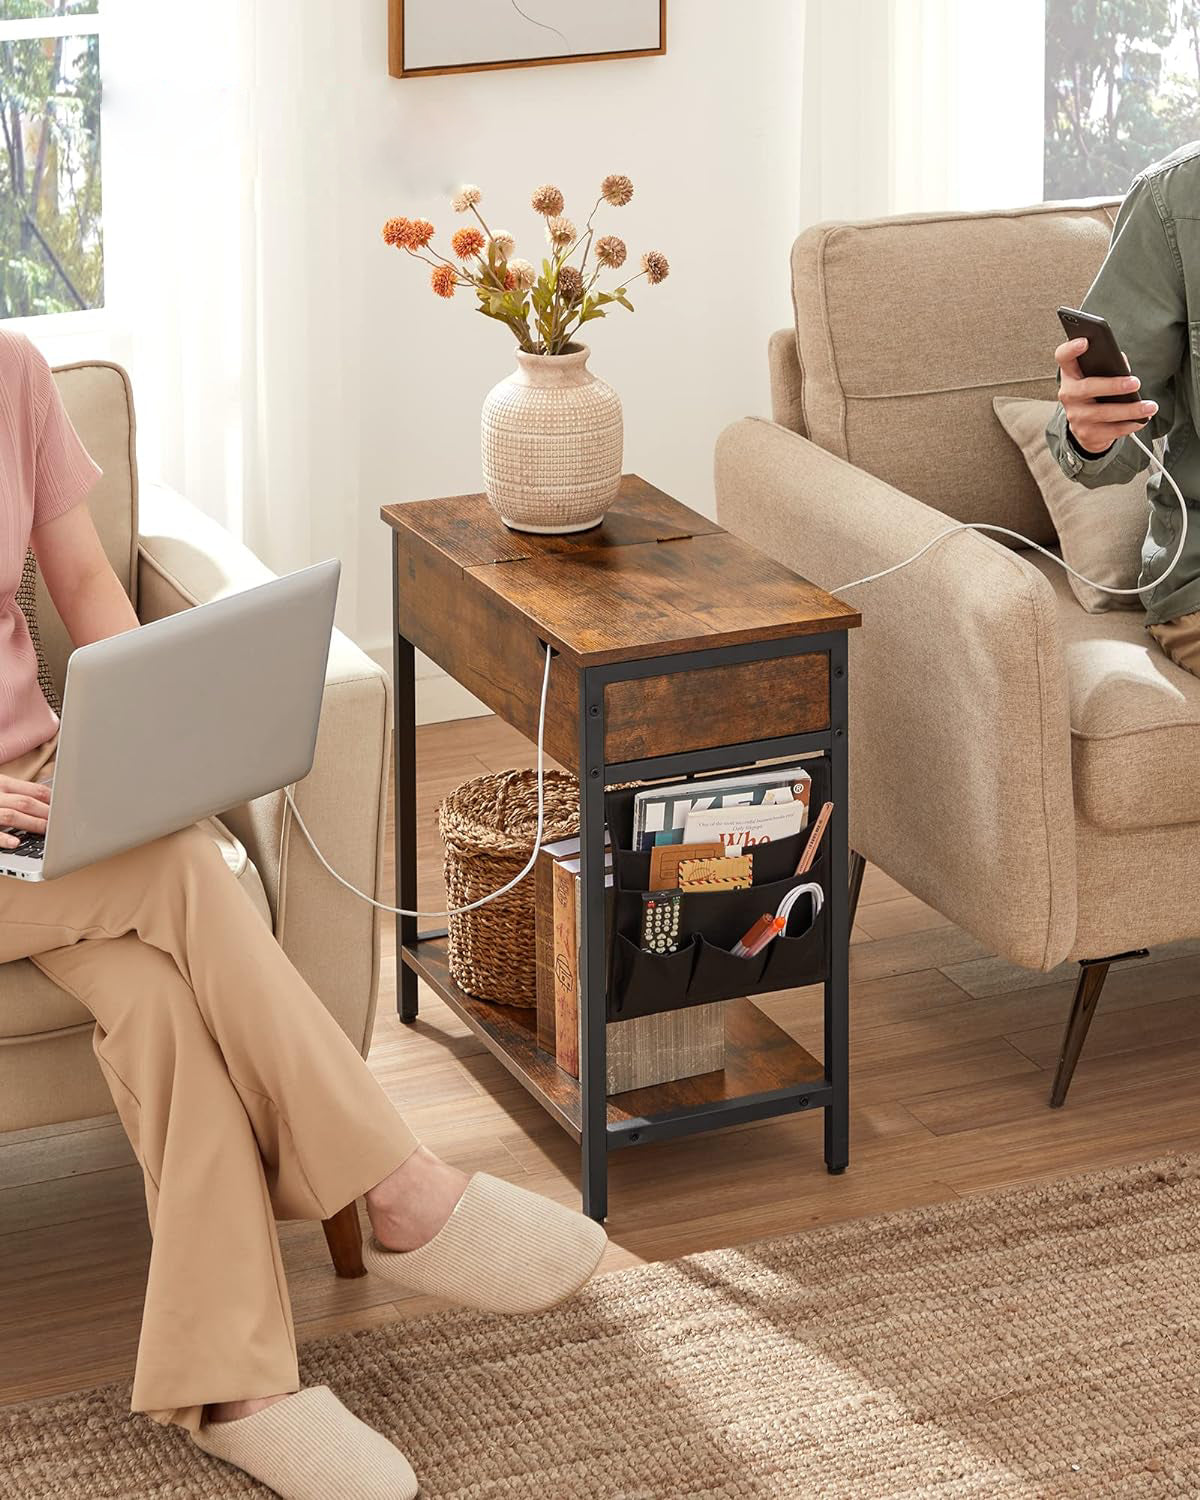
503, 1249
309, 1447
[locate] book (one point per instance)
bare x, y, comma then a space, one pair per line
543, 932
741, 827
543, 947
566, 959
659, 1049
661, 813
568, 896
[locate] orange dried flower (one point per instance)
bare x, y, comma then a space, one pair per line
656, 266
394, 230
548, 199
616, 189
467, 242
443, 280
611, 251
417, 234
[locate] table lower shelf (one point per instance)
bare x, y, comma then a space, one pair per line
766, 1071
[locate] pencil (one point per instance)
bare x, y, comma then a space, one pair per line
814, 839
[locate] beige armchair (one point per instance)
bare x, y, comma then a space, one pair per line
170, 556
1024, 767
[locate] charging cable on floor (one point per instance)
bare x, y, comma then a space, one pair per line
456, 911
1016, 535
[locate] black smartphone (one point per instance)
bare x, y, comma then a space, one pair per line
1102, 357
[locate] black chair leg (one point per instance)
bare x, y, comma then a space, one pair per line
1092, 974
857, 867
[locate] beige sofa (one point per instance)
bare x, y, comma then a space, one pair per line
1027, 769
170, 556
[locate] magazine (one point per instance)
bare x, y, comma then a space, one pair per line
661, 814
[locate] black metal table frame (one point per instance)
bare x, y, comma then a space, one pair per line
598, 1136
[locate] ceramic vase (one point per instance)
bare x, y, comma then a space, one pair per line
552, 436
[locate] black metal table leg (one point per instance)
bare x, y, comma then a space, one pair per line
837, 981
404, 749
593, 983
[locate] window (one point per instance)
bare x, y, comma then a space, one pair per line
51, 248
1122, 90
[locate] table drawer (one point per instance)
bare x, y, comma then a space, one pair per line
726, 705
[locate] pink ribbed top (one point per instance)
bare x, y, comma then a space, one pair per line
44, 471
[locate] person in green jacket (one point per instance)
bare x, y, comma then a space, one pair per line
1148, 289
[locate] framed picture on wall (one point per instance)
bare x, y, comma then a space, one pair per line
429, 36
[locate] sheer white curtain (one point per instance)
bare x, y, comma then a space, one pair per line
226, 164
915, 105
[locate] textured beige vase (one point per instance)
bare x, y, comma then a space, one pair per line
552, 444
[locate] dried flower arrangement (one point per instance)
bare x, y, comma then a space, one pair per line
543, 311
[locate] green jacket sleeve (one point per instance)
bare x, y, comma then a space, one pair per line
1139, 290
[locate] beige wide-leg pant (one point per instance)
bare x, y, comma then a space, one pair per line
241, 1095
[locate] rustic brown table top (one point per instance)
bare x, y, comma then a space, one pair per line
654, 578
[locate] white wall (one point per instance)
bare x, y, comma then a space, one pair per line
710, 135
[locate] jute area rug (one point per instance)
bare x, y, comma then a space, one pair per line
1042, 1343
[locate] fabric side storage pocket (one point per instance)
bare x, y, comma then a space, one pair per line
721, 975
799, 955
645, 983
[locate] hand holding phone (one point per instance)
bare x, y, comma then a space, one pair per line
1097, 391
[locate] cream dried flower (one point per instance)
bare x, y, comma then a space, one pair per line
560, 231
616, 189
504, 243
467, 197
611, 251
522, 273
548, 199
656, 266
570, 285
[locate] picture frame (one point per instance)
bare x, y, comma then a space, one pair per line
424, 42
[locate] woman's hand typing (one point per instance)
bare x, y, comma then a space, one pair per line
24, 805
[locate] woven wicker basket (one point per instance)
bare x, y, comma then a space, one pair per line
488, 827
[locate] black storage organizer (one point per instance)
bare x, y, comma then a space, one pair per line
703, 969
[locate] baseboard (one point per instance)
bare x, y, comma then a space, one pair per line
439, 697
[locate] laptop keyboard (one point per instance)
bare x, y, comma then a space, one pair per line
32, 845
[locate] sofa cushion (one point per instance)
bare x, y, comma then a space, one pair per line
1100, 530
1135, 719
907, 327
32, 1005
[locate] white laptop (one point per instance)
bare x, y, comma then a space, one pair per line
186, 717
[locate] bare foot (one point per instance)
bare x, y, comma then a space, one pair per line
411, 1204
230, 1411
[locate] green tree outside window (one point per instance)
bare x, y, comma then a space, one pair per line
51, 244
1122, 90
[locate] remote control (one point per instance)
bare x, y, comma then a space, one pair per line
661, 911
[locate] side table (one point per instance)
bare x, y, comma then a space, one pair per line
678, 650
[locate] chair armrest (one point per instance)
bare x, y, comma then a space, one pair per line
186, 558
959, 727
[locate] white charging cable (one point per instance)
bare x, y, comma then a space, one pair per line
1053, 556
455, 911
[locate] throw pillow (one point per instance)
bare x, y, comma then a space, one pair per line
1100, 531
26, 597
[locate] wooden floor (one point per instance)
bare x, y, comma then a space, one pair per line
952, 1054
